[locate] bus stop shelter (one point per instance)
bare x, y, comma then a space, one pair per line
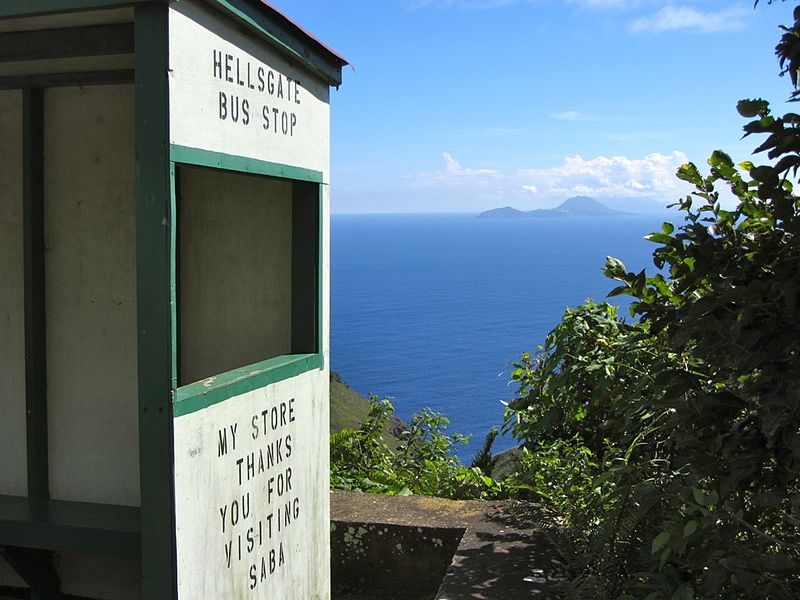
164, 218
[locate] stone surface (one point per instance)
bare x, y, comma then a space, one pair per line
504, 553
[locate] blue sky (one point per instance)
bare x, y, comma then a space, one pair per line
466, 105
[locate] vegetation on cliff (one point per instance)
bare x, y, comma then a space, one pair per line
421, 461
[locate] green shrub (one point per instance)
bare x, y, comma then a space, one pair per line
423, 463
686, 421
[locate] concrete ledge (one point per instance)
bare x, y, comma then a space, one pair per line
502, 552
385, 558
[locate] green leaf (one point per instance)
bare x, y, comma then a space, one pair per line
615, 269
664, 557
658, 238
619, 291
689, 528
752, 108
684, 592
720, 159
778, 563
689, 172
662, 539
763, 173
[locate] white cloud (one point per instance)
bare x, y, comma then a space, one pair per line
456, 174
617, 176
676, 18
646, 179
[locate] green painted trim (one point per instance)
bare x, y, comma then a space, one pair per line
29, 8
34, 294
99, 529
155, 280
293, 46
173, 269
71, 42
321, 241
242, 164
213, 390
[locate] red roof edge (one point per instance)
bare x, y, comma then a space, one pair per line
286, 21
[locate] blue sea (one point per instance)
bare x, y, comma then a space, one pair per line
433, 309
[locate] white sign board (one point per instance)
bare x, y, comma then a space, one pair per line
230, 94
251, 498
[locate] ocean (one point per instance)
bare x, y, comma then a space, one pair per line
432, 310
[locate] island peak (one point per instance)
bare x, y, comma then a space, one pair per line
577, 206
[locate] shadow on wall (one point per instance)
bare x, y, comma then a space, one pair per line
386, 561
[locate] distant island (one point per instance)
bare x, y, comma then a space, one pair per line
578, 206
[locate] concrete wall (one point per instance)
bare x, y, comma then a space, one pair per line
382, 559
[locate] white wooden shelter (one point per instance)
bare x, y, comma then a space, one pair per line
164, 324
